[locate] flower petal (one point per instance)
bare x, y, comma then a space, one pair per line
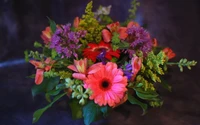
106, 35
79, 76
39, 76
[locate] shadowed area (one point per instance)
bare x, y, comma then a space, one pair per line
175, 23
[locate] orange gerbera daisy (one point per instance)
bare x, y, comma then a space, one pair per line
107, 83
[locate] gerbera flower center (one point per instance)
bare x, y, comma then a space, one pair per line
105, 84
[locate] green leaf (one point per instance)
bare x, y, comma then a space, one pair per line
166, 85
53, 53
104, 110
91, 111
47, 85
123, 45
26, 55
76, 109
133, 100
37, 114
146, 95
47, 52
37, 44
52, 25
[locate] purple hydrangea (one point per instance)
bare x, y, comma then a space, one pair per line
66, 42
139, 39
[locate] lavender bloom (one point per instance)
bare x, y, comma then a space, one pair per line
139, 39
128, 71
66, 42
101, 56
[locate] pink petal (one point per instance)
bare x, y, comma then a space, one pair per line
39, 76
72, 67
94, 68
79, 76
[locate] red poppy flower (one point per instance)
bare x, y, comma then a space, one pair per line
94, 50
169, 53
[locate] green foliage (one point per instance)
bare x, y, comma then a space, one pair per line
78, 90
133, 9
47, 85
26, 56
134, 101
37, 114
52, 25
150, 96
183, 63
117, 43
37, 44
91, 25
151, 70
91, 111
76, 109
64, 74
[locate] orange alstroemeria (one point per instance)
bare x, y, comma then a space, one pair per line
41, 68
169, 53
136, 63
132, 23
46, 35
76, 22
155, 43
79, 67
114, 27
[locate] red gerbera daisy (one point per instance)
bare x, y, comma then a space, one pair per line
94, 50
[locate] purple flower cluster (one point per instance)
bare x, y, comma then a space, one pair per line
128, 71
66, 42
139, 39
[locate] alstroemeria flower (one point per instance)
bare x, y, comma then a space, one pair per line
132, 23
79, 67
155, 43
76, 22
41, 68
169, 53
94, 50
114, 27
136, 65
46, 35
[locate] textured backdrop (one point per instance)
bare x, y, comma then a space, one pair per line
175, 23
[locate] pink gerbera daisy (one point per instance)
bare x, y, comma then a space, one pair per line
107, 83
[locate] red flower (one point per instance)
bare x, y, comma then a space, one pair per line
114, 27
155, 42
94, 50
169, 53
41, 67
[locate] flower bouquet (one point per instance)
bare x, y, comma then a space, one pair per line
97, 64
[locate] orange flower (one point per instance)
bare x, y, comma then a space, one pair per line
169, 53
114, 27
46, 35
132, 23
76, 22
41, 68
108, 84
136, 65
155, 43
80, 67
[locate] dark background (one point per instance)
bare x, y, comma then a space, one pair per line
175, 23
